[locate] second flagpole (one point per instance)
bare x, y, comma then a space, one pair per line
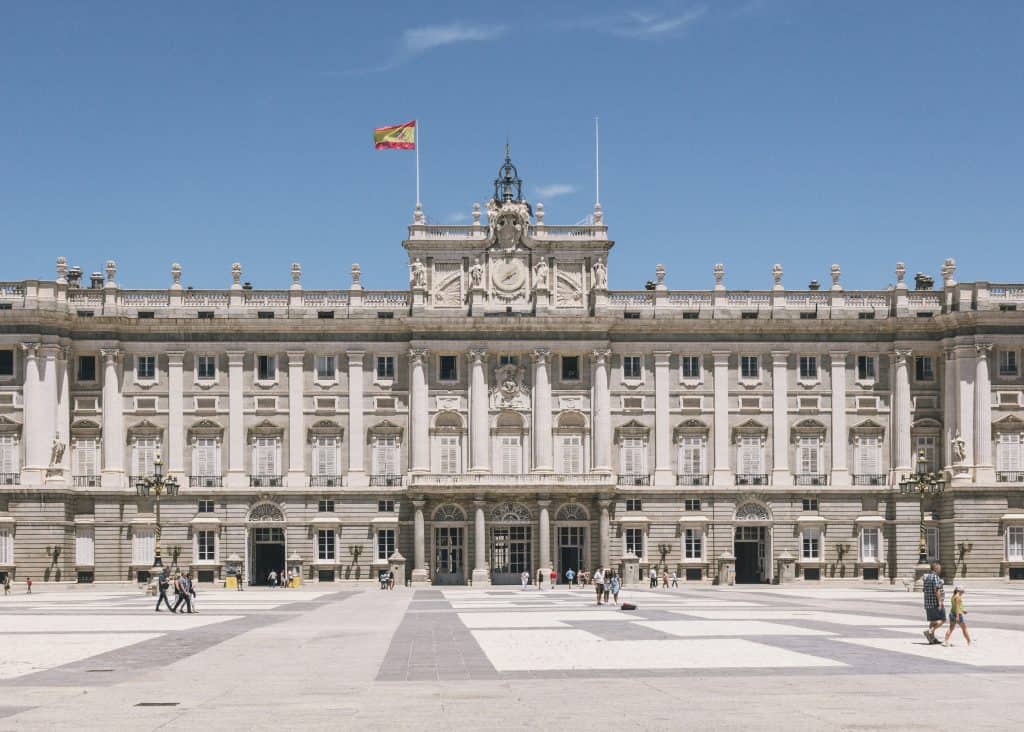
416, 146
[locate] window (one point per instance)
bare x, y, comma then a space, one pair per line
931, 538
691, 455
325, 455
385, 367
869, 544
204, 457
924, 368
85, 546
385, 455
865, 368
690, 366
266, 368
206, 546
144, 451
632, 453
928, 446
386, 506
867, 456
325, 370
570, 368
145, 368
749, 367
264, 457
572, 454
809, 504
6, 547
507, 359
143, 546
325, 507
325, 545
1007, 363
206, 506
693, 544
8, 454
634, 504
448, 368
511, 455
86, 458
449, 454
748, 456
691, 504
808, 456
811, 544
1009, 452
385, 544
86, 368
206, 368
632, 368
634, 541
205, 315
1015, 543
809, 368
7, 362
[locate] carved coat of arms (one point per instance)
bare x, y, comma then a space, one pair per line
510, 390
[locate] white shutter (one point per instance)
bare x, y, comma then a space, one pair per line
572, 458
144, 456
6, 547
868, 456
1014, 543
204, 457
8, 454
385, 455
510, 455
449, 454
86, 457
869, 545
808, 458
692, 456
143, 546
325, 456
1008, 452
632, 456
750, 456
85, 546
265, 458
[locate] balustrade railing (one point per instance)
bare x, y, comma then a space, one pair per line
85, 481
265, 481
1010, 476
692, 479
869, 479
810, 479
751, 479
205, 481
634, 479
325, 481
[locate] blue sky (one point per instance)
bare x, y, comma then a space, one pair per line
744, 131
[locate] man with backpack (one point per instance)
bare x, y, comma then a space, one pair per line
163, 585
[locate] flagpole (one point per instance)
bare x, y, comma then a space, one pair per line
597, 161
417, 147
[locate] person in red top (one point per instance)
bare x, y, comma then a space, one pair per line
28, 581
554, 578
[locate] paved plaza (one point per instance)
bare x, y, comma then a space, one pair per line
346, 658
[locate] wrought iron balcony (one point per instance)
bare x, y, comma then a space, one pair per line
869, 479
810, 479
85, 481
751, 479
325, 481
692, 479
1010, 476
10, 478
386, 480
509, 479
265, 481
205, 481
634, 479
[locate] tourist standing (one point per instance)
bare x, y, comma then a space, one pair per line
272, 578
616, 585
162, 585
956, 616
599, 583
664, 578
524, 579
192, 593
554, 577
934, 602
28, 581
570, 576
653, 575
540, 579
609, 576
7, 584
675, 580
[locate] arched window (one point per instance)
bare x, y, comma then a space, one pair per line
266, 512
449, 512
751, 511
510, 513
572, 512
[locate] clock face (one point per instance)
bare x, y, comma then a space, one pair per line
508, 275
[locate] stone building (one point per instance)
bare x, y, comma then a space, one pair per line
509, 412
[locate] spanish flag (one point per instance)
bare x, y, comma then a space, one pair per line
396, 137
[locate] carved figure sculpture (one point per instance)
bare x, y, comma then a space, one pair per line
959, 446
600, 275
417, 273
57, 451
476, 273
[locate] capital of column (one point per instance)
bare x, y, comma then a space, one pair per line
236, 358
721, 358
31, 350
661, 358
780, 358
601, 356
419, 503
478, 354
902, 355
984, 350
479, 502
175, 358
838, 357
50, 351
417, 355
541, 355
110, 354
295, 358
544, 502
604, 503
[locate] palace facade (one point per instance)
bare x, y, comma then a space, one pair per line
509, 412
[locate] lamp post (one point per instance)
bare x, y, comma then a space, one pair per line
922, 482
157, 485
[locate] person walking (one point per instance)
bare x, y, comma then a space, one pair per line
653, 575
616, 585
524, 579
570, 576
540, 579
7, 584
554, 577
599, 583
192, 593
675, 580
934, 602
609, 576
664, 578
272, 578
162, 584
28, 581
184, 594
956, 616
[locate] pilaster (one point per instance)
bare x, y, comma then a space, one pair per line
601, 415
296, 442
780, 419
478, 413
722, 475
984, 471
113, 475
236, 422
840, 470
176, 416
356, 438
543, 454
663, 475
419, 415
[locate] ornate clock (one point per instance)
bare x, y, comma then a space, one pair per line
508, 276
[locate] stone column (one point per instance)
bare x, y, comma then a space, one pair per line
420, 575
966, 357
63, 428
113, 421
545, 541
46, 423
419, 416
604, 532
296, 441
236, 422
840, 471
543, 455
722, 473
176, 416
902, 412
35, 445
949, 395
478, 413
481, 577
984, 470
662, 427
780, 419
356, 437
601, 413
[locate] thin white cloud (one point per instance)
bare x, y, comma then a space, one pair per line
459, 217
416, 41
554, 190
644, 25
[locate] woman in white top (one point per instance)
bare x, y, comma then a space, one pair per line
599, 583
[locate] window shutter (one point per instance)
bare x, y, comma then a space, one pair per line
8, 454
449, 455
204, 457
1008, 452
632, 455
86, 453
266, 456
385, 455
750, 456
692, 459
571, 457
510, 454
145, 455
809, 456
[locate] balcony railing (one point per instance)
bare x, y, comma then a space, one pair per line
810, 479
325, 481
510, 479
134, 480
205, 481
265, 481
10, 478
751, 479
869, 479
692, 479
85, 481
1010, 476
634, 479
386, 480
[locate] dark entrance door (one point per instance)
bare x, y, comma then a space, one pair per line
568, 558
749, 550
266, 553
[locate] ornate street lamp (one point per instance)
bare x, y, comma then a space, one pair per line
157, 485
923, 483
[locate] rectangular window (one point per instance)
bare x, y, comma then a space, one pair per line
1009, 452
634, 541
386, 506
808, 456
449, 454
924, 368
809, 504
8, 454
927, 446
865, 368
206, 546
7, 362
206, 506
507, 359
634, 504
749, 367
632, 454
809, 368
385, 544
143, 546
264, 459
266, 368
811, 544
869, 544
325, 455
511, 455
385, 367
204, 457
325, 545
145, 368
690, 366
691, 456
693, 544
1007, 363
691, 504
931, 537
325, 370
1015, 543
447, 367
749, 456
570, 368
206, 368
632, 367
144, 455
86, 457
85, 546
867, 456
572, 454
86, 368
385, 455
325, 507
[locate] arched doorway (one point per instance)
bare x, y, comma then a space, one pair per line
571, 523
267, 549
449, 522
511, 543
752, 543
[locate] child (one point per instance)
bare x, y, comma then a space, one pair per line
956, 616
